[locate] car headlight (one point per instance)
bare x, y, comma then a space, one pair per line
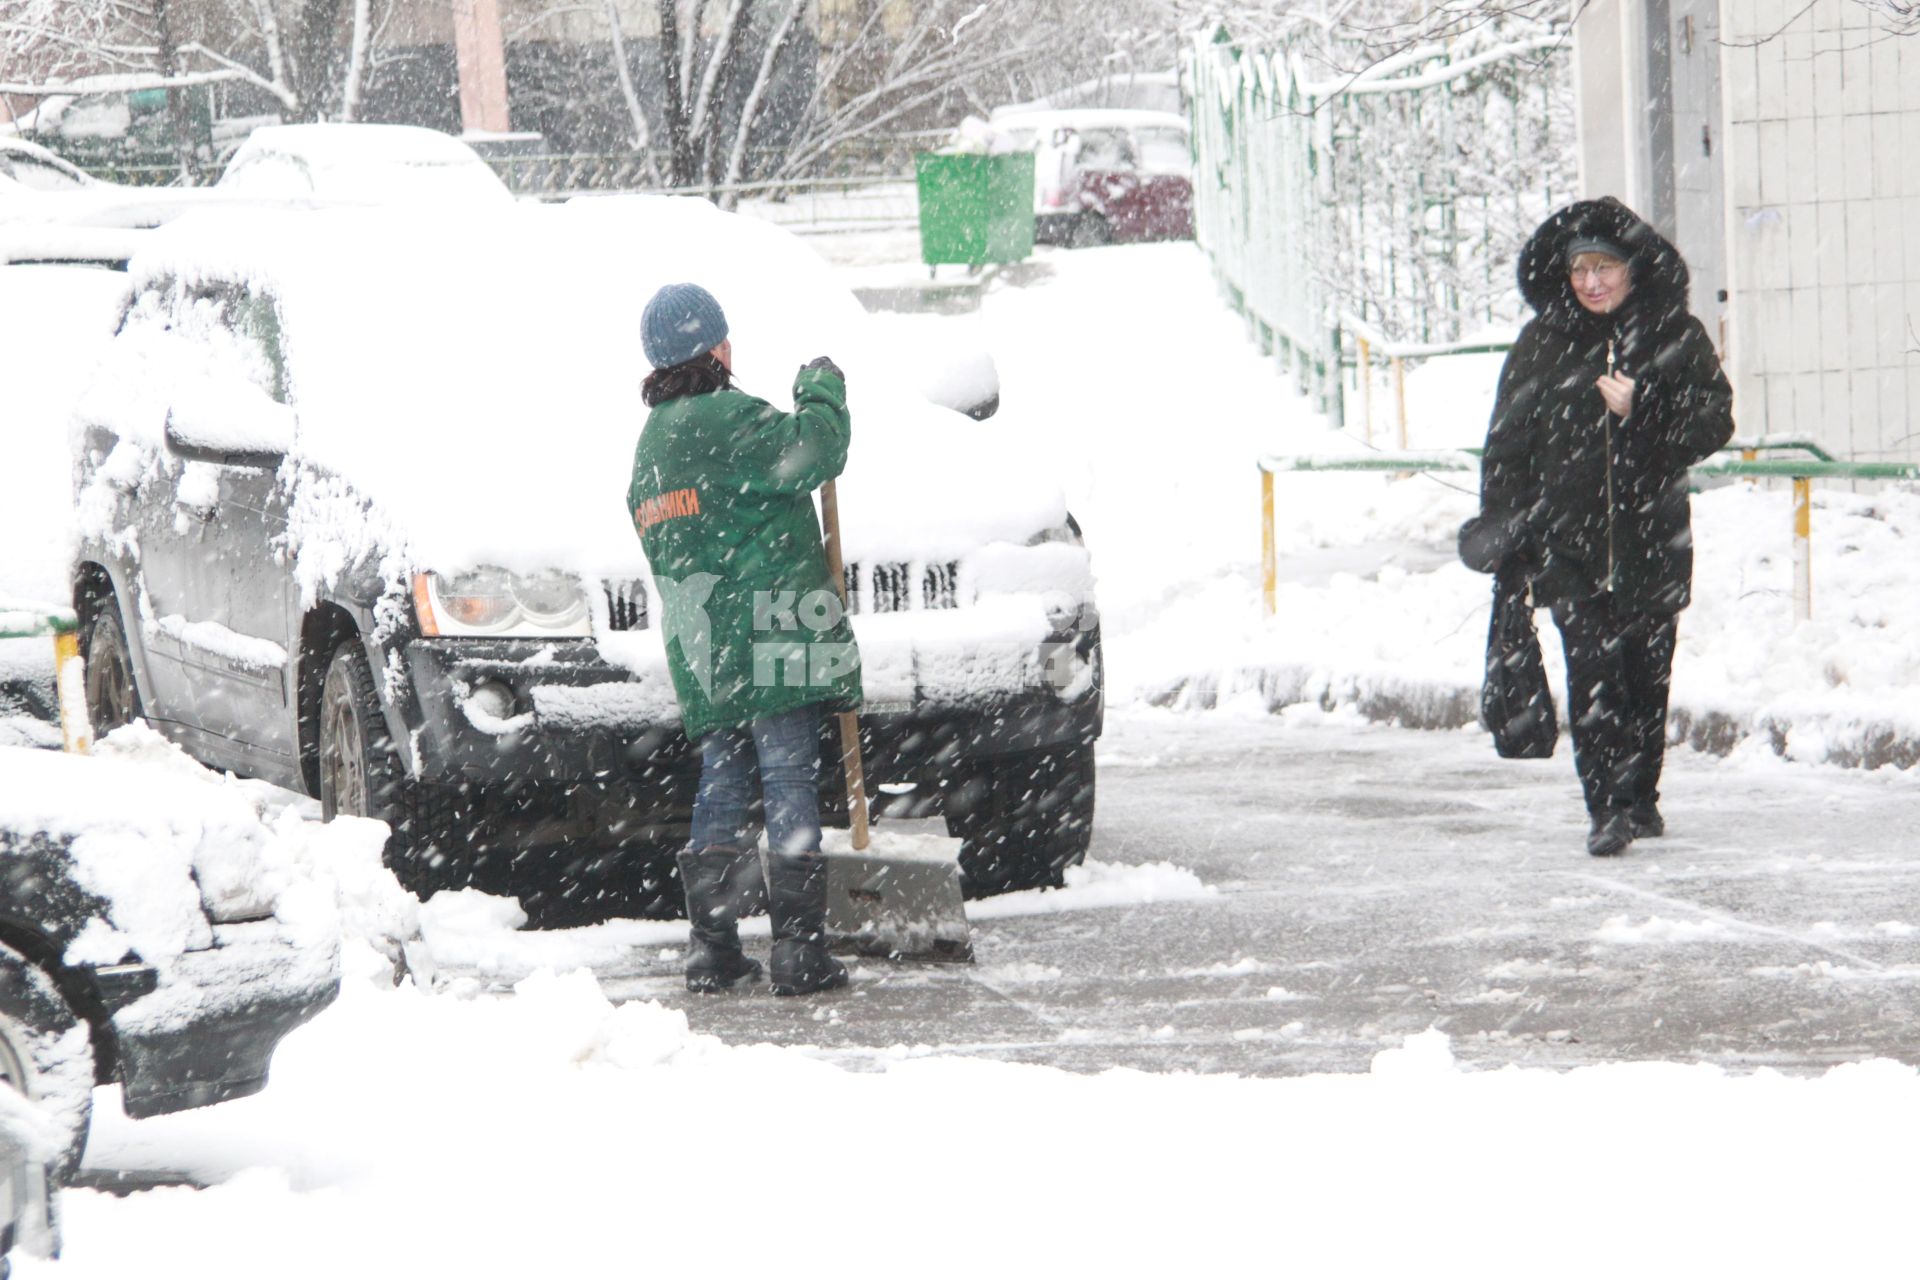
494, 602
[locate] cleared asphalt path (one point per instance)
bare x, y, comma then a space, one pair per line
1368, 882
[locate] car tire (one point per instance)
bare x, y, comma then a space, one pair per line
46, 1054
1090, 231
113, 699
360, 774
1022, 820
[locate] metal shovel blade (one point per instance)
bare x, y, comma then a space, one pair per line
899, 908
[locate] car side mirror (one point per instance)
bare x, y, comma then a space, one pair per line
963, 379
229, 422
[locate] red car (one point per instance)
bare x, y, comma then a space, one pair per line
1106, 176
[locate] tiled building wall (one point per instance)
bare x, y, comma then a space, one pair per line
1823, 224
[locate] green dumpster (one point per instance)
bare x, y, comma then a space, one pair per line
975, 209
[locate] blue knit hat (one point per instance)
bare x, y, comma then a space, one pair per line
680, 322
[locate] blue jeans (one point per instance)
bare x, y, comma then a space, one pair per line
788, 749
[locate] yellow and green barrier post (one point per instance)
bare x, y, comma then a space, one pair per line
1739, 460
69, 674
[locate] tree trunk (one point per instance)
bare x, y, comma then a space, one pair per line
179, 124
315, 60
642, 135
357, 61
680, 150
719, 75
736, 160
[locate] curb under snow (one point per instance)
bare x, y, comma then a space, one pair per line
1418, 704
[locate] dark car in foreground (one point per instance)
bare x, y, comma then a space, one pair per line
351, 493
141, 941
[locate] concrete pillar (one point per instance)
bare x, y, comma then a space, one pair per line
480, 49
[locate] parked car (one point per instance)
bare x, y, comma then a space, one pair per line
27, 166
352, 487
360, 163
135, 129
1105, 176
140, 942
52, 212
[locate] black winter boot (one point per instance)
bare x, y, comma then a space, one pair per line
1647, 822
1612, 833
797, 901
722, 884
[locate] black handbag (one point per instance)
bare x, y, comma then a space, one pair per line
1516, 704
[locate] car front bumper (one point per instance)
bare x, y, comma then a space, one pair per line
582, 719
204, 1030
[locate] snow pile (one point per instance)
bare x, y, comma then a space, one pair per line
521, 1132
1622, 931
1098, 884
474, 933
165, 843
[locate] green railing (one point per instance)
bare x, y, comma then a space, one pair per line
1743, 463
28, 621
20, 621
1401, 194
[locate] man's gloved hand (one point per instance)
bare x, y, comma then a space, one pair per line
825, 362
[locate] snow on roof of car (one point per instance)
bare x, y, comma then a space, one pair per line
1089, 118
478, 378
43, 366
20, 146
367, 162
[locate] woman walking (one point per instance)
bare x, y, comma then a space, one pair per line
1610, 394
757, 643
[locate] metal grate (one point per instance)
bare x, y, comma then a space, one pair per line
888, 587
940, 586
627, 606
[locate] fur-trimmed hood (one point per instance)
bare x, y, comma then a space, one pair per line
1659, 273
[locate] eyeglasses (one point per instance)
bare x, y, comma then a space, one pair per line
1608, 271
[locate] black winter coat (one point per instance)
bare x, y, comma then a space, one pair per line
1599, 503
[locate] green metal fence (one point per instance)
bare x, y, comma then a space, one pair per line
1397, 196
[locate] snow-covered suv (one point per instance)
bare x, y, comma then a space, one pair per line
351, 502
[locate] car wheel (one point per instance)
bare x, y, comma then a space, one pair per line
361, 776
1022, 820
359, 773
113, 699
1090, 230
46, 1054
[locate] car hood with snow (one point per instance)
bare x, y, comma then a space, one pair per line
477, 382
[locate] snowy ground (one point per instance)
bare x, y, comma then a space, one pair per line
1241, 983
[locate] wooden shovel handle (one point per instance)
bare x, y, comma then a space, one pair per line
850, 761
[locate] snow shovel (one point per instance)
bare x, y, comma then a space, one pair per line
886, 901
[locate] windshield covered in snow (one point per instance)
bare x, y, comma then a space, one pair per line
1163, 151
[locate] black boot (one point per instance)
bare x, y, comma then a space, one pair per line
1647, 822
1612, 833
722, 884
797, 901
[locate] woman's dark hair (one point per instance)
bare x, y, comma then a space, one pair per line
695, 377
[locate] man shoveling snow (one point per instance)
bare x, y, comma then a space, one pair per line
757, 638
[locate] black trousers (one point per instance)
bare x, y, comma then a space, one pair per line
1619, 669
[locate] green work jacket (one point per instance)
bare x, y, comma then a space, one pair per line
722, 499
